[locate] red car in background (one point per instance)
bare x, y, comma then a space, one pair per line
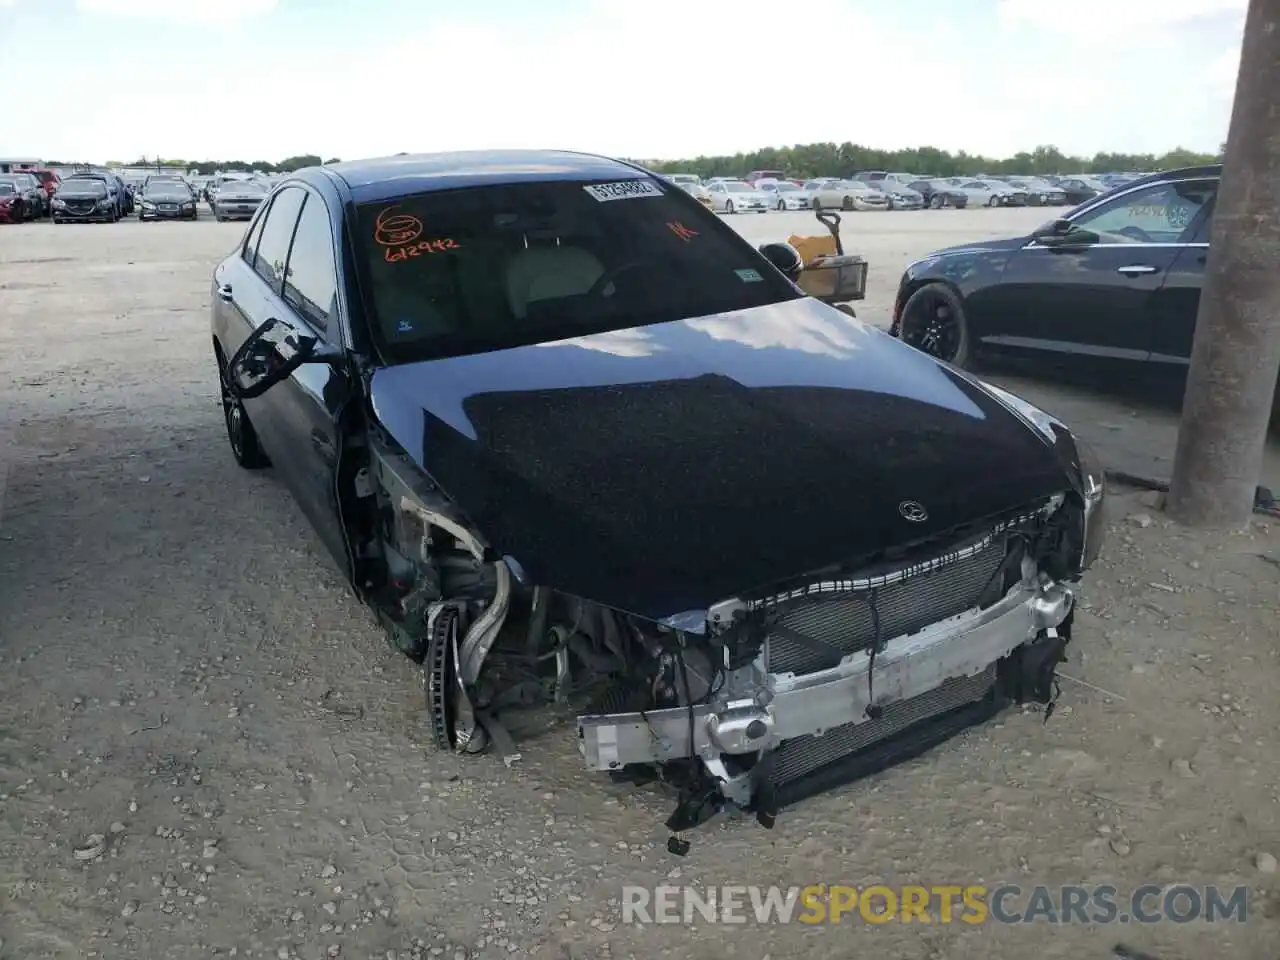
12, 205
48, 179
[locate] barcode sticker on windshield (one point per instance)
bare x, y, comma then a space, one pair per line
623, 190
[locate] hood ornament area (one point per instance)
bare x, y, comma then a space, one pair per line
913, 511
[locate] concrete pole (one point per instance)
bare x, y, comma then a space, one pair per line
1235, 359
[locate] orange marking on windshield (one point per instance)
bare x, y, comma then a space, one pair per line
681, 231
424, 247
393, 229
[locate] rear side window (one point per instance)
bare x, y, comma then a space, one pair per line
277, 234
253, 234
487, 268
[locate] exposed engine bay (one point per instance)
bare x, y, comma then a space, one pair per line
759, 701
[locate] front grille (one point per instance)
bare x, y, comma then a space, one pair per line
81, 206
844, 620
801, 756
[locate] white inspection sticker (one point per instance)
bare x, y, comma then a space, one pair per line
623, 190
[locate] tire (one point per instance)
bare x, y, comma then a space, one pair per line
782, 207
241, 436
915, 312
935, 203
846, 203
728, 206
817, 204
993, 202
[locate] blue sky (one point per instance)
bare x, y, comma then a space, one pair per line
266, 79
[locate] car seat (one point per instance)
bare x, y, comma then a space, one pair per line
543, 272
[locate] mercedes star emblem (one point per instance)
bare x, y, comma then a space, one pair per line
913, 511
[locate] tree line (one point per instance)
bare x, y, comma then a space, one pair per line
814, 160
287, 165
845, 159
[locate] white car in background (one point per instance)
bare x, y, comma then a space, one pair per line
990, 193
737, 196
783, 194
844, 195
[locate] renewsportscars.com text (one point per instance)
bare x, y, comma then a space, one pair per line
943, 904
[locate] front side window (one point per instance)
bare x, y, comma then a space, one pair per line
311, 282
1158, 214
277, 233
488, 268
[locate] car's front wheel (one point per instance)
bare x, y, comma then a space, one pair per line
993, 202
846, 203
781, 205
817, 204
728, 206
241, 436
933, 321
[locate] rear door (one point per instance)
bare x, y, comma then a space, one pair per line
1095, 298
1177, 302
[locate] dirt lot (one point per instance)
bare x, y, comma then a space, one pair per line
207, 749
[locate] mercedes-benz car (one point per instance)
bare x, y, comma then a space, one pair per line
576, 442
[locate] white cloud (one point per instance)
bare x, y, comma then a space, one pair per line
182, 11
1114, 15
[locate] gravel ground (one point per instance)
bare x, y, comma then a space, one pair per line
207, 749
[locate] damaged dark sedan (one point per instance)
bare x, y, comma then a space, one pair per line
579, 444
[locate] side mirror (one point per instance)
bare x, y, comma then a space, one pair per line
785, 258
1054, 228
270, 354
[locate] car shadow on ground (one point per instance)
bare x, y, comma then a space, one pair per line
1131, 419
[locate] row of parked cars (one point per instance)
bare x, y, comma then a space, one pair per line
101, 195
763, 191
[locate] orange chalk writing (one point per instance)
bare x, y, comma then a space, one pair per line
420, 249
681, 231
393, 229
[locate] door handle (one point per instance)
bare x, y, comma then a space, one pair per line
1137, 269
224, 291
324, 446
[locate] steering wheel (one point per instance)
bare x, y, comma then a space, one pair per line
1135, 233
606, 278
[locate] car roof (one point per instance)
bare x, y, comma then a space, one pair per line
384, 178
1180, 173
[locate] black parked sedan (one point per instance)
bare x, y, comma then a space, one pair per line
166, 200
554, 421
85, 200
1118, 277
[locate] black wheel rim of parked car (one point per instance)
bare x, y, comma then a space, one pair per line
931, 325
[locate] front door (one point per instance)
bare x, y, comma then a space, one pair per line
290, 277
1098, 297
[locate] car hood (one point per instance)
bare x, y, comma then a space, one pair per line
662, 469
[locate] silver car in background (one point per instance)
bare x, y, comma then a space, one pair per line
737, 196
238, 199
901, 197
784, 194
845, 195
